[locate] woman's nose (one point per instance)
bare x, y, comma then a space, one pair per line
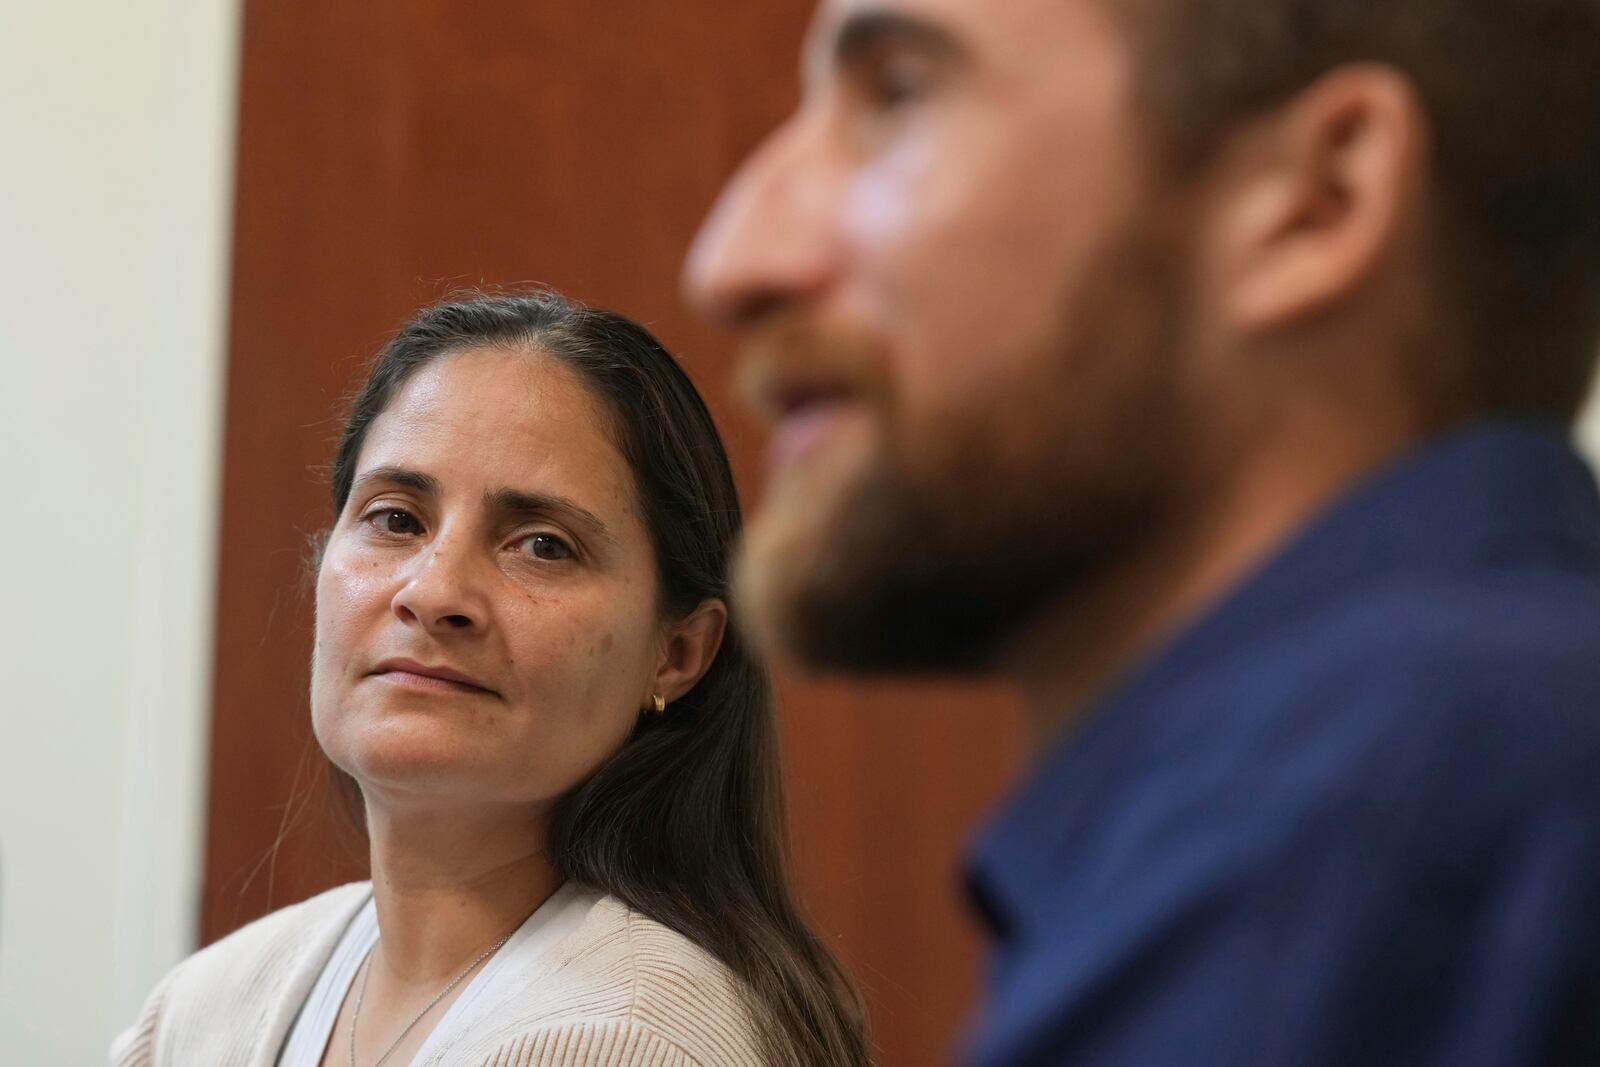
444, 591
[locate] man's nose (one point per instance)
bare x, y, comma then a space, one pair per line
770, 239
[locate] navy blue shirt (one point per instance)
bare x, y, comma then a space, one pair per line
1350, 818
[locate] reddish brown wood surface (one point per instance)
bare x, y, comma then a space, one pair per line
389, 153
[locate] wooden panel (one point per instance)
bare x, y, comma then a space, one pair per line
384, 161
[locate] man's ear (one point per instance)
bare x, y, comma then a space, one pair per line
688, 648
1315, 196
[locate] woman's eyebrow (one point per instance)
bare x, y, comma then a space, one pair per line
426, 484
518, 502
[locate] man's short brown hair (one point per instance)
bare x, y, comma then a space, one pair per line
1512, 91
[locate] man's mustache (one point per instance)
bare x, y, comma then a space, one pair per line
790, 361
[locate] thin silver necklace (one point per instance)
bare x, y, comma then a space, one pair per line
361, 995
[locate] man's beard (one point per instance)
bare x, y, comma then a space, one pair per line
937, 555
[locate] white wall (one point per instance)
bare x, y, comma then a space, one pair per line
115, 179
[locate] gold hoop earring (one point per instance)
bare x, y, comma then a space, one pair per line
661, 703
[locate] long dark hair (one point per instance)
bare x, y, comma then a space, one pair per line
686, 824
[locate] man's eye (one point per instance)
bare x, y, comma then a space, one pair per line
895, 80
893, 89
547, 546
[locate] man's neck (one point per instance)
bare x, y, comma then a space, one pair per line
1081, 646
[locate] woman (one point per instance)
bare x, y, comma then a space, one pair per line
563, 754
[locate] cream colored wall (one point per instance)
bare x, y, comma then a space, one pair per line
115, 177
1589, 431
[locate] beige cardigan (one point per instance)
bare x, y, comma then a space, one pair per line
627, 992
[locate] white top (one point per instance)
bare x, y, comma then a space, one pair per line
621, 990
530, 949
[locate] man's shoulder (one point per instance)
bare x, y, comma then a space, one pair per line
1513, 612
1398, 785
1508, 653
1469, 705
1466, 704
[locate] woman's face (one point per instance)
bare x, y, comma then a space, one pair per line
487, 625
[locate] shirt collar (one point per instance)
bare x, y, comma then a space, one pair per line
1485, 494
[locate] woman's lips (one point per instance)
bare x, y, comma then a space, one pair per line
420, 677
425, 683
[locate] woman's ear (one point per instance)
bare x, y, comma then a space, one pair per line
688, 648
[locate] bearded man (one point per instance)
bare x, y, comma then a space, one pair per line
1206, 367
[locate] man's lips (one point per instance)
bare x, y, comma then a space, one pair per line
423, 677
803, 420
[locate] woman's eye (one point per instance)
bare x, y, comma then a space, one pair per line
395, 521
547, 546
